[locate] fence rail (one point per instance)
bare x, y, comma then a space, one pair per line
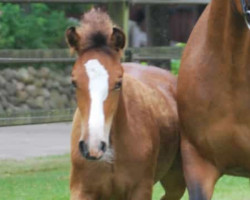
110, 1
63, 55
35, 56
36, 117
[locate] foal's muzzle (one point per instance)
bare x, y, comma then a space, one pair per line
90, 155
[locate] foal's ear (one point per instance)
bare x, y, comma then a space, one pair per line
118, 39
72, 38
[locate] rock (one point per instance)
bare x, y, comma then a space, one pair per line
52, 84
11, 88
24, 76
19, 85
49, 84
55, 85
10, 109
14, 100
1, 109
61, 80
39, 102
22, 96
3, 93
2, 81
3, 101
68, 70
46, 105
32, 71
72, 103
52, 104
44, 72
40, 82
68, 81
54, 95
45, 93
24, 108
57, 100
9, 74
31, 90
31, 102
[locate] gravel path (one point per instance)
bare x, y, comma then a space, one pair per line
21, 142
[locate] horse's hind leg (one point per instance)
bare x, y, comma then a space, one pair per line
173, 182
200, 174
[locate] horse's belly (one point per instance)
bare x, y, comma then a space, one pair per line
223, 141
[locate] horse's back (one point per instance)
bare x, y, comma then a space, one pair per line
154, 77
163, 83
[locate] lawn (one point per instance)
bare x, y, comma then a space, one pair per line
47, 179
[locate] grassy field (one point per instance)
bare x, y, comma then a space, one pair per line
47, 179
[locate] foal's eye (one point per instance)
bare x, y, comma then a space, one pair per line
74, 83
118, 85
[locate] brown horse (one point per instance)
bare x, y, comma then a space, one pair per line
125, 130
213, 97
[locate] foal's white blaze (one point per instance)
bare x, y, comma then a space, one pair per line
98, 90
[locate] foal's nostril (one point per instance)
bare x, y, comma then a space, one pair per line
83, 148
103, 146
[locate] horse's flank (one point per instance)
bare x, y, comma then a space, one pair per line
213, 98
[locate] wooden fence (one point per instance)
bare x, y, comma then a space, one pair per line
63, 56
114, 1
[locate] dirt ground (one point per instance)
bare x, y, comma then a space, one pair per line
21, 142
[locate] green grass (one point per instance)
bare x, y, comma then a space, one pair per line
35, 179
48, 178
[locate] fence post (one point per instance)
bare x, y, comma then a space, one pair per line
119, 13
157, 19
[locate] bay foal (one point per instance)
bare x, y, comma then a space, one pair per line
214, 97
125, 133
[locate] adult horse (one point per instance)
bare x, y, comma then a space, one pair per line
213, 97
125, 131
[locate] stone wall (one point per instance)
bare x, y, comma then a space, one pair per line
27, 89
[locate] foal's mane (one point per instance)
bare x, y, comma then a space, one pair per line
95, 30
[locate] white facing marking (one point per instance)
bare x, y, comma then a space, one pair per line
98, 89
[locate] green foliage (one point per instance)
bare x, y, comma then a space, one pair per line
35, 26
175, 64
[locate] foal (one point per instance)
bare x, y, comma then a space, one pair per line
125, 130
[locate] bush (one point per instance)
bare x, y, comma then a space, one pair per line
175, 63
37, 26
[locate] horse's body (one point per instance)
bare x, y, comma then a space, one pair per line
136, 143
213, 98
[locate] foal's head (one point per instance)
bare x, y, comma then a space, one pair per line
97, 76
